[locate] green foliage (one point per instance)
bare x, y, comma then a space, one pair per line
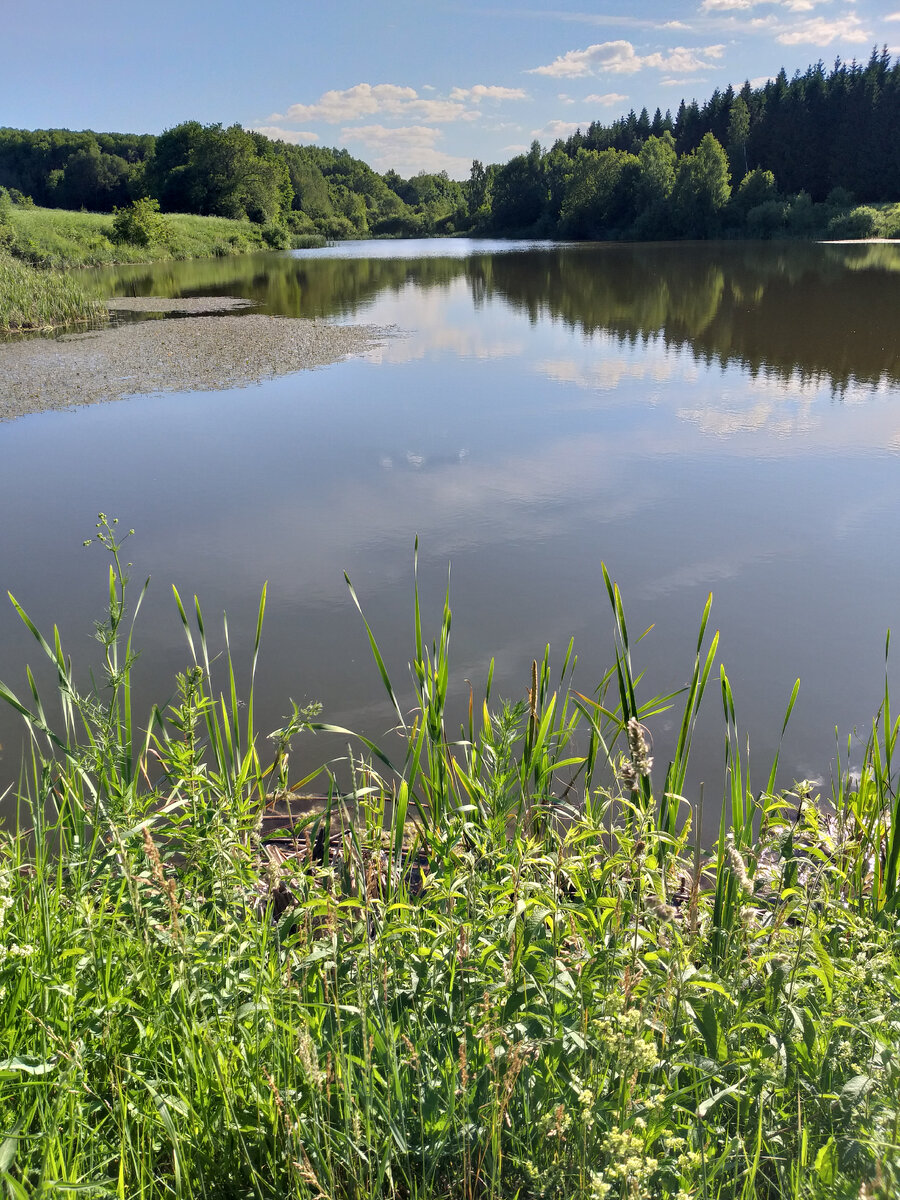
57, 238
141, 223
517, 971
702, 188
32, 299
600, 193
861, 222
275, 236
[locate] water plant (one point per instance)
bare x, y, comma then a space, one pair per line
40, 300
500, 963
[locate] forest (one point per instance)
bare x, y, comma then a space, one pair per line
792, 157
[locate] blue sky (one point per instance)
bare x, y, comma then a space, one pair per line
410, 84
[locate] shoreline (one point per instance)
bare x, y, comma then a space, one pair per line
189, 352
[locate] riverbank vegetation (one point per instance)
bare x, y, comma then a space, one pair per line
786, 159
41, 300
137, 233
497, 961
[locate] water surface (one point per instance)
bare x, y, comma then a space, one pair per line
701, 418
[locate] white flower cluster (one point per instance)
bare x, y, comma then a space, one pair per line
625, 1040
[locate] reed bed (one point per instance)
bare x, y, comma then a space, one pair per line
32, 299
573, 998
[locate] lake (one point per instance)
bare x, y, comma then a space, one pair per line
698, 417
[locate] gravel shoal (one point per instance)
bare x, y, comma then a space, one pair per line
197, 354
183, 304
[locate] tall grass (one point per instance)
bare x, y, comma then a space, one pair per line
58, 238
32, 299
517, 971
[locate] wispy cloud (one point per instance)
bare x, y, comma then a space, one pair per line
607, 100
407, 149
366, 99
621, 58
474, 95
714, 6
821, 32
294, 136
554, 130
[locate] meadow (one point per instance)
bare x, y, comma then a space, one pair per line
38, 247
496, 961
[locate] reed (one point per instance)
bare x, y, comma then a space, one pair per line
579, 1000
41, 300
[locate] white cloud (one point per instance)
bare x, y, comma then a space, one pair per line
892, 17
620, 58
482, 92
709, 6
558, 129
366, 99
564, 99
294, 136
819, 32
679, 25
608, 99
408, 149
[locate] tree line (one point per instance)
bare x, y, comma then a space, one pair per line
793, 156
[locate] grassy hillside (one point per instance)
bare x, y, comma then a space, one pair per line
54, 237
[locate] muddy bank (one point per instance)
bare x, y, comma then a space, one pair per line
196, 353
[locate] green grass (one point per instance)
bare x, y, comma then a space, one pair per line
56, 238
33, 299
582, 1001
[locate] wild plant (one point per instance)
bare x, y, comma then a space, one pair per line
499, 963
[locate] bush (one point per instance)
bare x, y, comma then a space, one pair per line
140, 223
860, 222
337, 228
767, 218
275, 236
802, 216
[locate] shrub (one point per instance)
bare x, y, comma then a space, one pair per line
140, 223
860, 222
767, 218
275, 236
802, 216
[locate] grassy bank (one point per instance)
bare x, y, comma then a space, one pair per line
56, 238
52, 240
31, 299
543, 986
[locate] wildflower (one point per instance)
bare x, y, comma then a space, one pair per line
599, 1188
738, 866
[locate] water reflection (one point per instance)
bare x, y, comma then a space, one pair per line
698, 417
801, 312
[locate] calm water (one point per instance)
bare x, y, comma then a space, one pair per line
716, 418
